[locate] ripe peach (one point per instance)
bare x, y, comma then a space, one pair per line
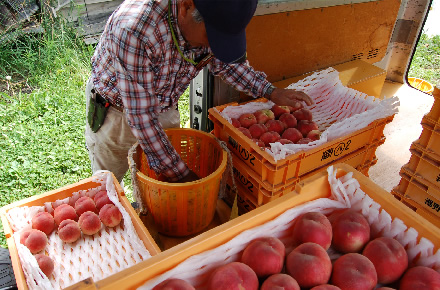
280, 281
35, 240
305, 126
265, 256
235, 122
259, 143
313, 227
110, 215
275, 126
64, 212
245, 131
289, 120
309, 264
89, 223
389, 258
292, 134
314, 135
296, 106
233, 276
101, 199
257, 130
285, 141
303, 114
354, 271
351, 232
44, 222
247, 119
326, 287
174, 284
264, 115
69, 231
45, 263
304, 141
279, 110
84, 204
420, 278
270, 137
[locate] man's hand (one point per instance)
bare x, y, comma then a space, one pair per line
288, 97
192, 176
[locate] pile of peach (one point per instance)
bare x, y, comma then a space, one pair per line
85, 217
284, 124
362, 261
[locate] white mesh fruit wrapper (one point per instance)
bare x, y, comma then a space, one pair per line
107, 252
338, 110
345, 193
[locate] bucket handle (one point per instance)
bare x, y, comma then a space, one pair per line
133, 172
229, 171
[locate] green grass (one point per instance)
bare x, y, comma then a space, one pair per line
426, 60
42, 109
42, 113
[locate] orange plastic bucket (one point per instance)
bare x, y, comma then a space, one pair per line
181, 209
422, 85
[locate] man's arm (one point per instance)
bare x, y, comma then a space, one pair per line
133, 66
245, 79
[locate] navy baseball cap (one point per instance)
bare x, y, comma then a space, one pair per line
225, 23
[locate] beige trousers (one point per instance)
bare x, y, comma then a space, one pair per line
108, 148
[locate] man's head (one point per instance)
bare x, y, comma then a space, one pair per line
191, 24
223, 27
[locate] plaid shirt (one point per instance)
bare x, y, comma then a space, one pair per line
137, 66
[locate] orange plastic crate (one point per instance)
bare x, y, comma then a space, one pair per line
419, 190
424, 165
434, 113
245, 202
429, 139
261, 193
251, 183
61, 194
286, 171
417, 208
310, 189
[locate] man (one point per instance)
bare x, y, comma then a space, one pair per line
149, 52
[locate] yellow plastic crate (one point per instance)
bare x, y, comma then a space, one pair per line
286, 171
257, 192
310, 189
62, 194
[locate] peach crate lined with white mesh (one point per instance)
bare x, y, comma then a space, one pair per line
339, 188
96, 256
338, 110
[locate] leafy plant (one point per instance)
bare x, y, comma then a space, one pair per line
426, 60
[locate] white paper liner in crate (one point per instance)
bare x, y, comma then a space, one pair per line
338, 110
345, 193
109, 251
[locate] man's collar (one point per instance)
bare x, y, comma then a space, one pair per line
174, 14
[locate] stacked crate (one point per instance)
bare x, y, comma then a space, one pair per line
260, 179
195, 259
419, 187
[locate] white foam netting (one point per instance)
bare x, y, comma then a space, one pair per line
338, 110
107, 252
345, 193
